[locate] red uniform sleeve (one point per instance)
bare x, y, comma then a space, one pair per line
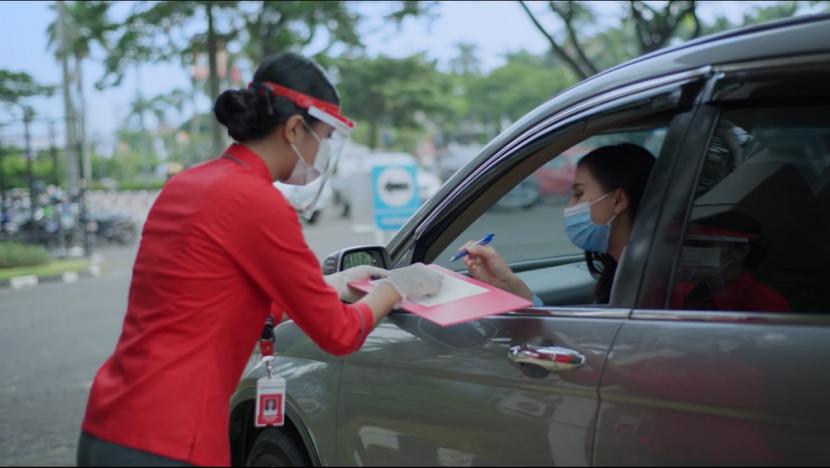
269, 247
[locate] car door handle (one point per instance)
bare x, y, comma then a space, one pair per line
550, 358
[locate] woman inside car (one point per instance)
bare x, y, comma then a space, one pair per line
606, 194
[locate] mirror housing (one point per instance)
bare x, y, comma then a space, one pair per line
374, 255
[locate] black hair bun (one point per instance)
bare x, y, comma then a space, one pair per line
253, 113
239, 111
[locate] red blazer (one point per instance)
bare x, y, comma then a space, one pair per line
220, 247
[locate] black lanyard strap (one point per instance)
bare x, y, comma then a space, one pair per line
236, 160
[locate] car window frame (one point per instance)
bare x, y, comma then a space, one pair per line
653, 299
651, 97
522, 133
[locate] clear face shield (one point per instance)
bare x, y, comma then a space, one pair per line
330, 147
704, 257
325, 163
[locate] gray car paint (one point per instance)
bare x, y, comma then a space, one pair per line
313, 381
685, 393
421, 394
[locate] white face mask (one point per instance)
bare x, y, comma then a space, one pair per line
305, 173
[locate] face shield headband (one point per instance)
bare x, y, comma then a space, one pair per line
330, 148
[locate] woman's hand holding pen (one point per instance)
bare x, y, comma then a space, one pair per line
485, 264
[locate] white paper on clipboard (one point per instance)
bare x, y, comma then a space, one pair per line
452, 289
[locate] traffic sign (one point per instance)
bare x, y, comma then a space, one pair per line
395, 195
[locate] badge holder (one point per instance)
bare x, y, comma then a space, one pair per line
270, 389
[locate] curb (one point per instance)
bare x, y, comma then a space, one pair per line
19, 282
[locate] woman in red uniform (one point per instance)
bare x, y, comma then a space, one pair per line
221, 246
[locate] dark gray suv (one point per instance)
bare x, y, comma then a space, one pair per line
684, 365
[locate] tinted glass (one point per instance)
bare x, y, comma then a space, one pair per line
758, 231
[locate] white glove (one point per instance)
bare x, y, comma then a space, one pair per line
414, 281
340, 280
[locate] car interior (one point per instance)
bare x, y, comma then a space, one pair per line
543, 257
777, 173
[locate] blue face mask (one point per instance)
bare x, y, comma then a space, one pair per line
583, 231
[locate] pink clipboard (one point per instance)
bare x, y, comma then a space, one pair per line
491, 302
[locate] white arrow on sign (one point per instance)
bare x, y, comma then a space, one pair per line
395, 186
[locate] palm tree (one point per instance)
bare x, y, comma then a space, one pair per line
88, 24
466, 62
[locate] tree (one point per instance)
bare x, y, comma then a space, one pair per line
656, 27
569, 50
292, 25
260, 28
180, 30
653, 28
515, 88
173, 22
86, 23
466, 62
385, 92
15, 86
767, 12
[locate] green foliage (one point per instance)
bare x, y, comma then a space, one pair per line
466, 63
89, 24
50, 269
773, 11
292, 25
150, 184
15, 86
13, 254
397, 102
657, 26
389, 92
515, 88
646, 26
413, 9
15, 170
175, 30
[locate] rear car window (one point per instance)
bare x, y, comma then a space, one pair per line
758, 234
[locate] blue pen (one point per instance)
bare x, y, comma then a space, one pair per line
484, 241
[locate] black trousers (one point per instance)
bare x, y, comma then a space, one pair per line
93, 451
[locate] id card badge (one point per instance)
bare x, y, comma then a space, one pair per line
270, 401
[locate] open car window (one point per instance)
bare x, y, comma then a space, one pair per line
528, 220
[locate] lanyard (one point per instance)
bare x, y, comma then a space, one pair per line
236, 160
266, 343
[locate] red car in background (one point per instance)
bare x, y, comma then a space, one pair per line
557, 176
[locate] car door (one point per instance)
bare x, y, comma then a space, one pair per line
724, 358
421, 394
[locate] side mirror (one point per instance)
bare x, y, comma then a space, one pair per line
373, 255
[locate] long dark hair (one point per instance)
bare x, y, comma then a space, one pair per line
251, 113
624, 166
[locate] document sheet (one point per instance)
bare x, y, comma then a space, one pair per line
452, 289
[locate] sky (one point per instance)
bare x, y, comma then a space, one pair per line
495, 27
